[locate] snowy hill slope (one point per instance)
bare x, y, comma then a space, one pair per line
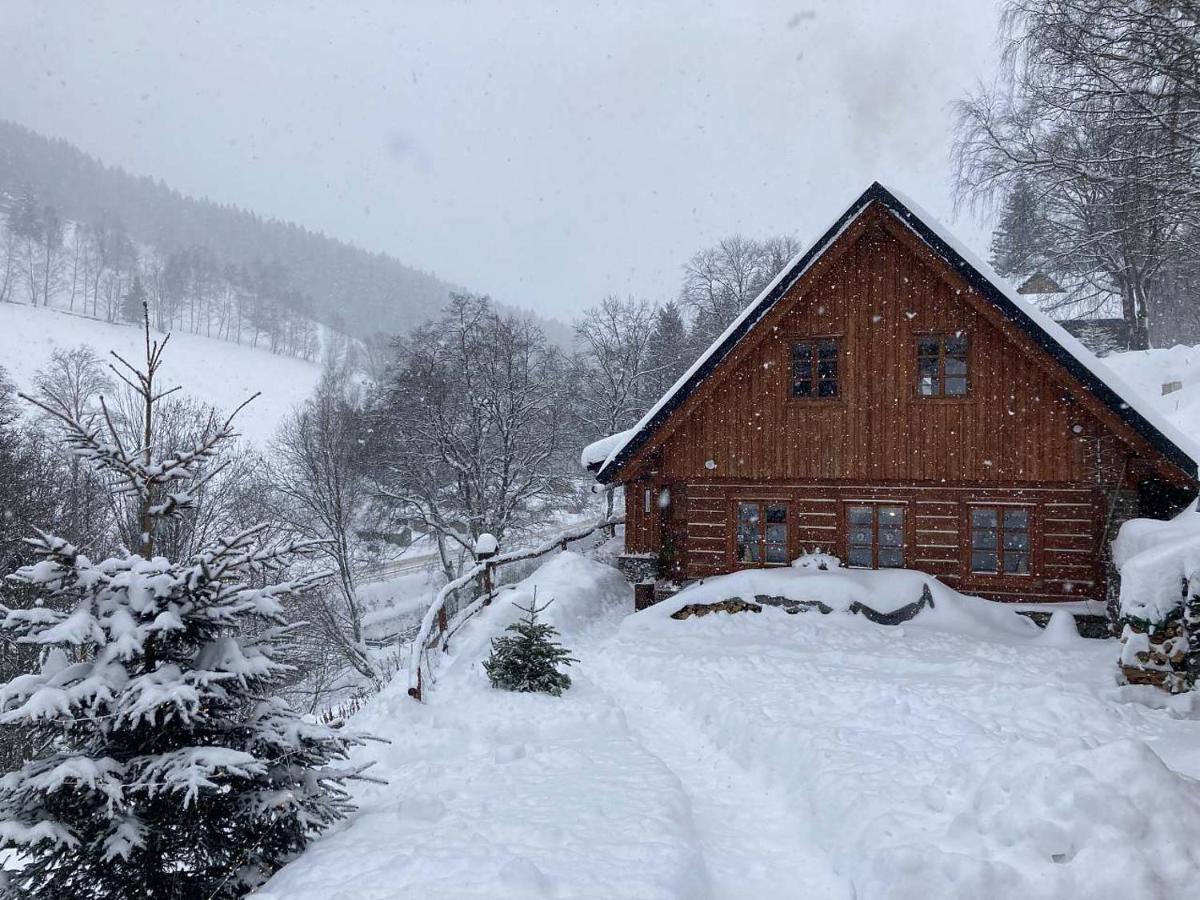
213, 371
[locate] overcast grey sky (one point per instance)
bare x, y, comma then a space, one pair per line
546, 153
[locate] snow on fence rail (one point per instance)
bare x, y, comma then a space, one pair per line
437, 628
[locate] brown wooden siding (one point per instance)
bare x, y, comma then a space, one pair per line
1025, 430
1064, 564
1018, 423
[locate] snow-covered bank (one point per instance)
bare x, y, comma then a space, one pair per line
770, 755
213, 371
496, 795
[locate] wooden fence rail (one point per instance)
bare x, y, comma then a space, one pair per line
437, 628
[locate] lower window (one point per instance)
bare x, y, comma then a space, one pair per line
762, 533
1000, 540
875, 536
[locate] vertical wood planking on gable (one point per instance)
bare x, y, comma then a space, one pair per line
1007, 427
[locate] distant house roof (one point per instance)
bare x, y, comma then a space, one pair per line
1040, 283
1051, 337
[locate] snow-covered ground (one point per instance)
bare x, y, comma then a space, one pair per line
1148, 370
213, 371
768, 755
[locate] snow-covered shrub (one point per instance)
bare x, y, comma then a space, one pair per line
166, 765
816, 559
529, 661
1159, 607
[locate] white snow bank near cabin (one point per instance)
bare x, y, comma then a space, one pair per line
1148, 370
597, 452
883, 590
500, 795
772, 756
216, 372
1155, 558
942, 758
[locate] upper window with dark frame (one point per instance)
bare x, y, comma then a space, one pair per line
1000, 540
942, 365
815, 368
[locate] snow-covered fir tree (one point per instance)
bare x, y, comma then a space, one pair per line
529, 660
166, 766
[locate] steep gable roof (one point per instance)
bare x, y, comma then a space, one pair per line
1047, 334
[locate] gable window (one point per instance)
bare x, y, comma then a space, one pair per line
875, 536
942, 365
762, 533
1000, 540
815, 368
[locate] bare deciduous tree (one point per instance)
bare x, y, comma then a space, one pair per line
320, 477
1099, 113
469, 424
720, 281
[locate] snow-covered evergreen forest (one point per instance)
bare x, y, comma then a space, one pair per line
338, 614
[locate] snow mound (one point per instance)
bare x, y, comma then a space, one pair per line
1077, 825
1155, 558
882, 590
493, 794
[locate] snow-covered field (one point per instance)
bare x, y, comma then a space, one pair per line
768, 755
213, 371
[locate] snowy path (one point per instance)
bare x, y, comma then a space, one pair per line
769, 756
752, 843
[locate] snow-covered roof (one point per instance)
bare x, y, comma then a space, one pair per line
596, 453
1111, 390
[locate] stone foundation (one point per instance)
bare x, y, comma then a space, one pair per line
637, 567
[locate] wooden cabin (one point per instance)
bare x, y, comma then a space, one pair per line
889, 400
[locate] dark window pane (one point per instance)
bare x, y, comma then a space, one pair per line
956, 345
1016, 563
860, 557
747, 512
861, 537
1016, 518
828, 350
860, 515
776, 534
983, 517
927, 346
982, 561
956, 365
801, 388
891, 515
891, 537
891, 558
776, 512
1016, 540
827, 388
983, 538
777, 554
956, 386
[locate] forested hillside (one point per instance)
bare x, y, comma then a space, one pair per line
199, 247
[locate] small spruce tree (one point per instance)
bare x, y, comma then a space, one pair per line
165, 767
134, 301
529, 660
